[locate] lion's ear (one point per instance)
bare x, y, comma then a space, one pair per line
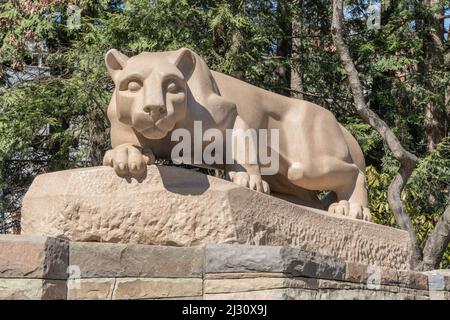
115, 62
185, 61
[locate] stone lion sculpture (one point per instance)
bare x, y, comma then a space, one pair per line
156, 93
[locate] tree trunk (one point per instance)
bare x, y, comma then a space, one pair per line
406, 159
59, 158
284, 46
236, 42
435, 113
296, 27
236, 39
437, 242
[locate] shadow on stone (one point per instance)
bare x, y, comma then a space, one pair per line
182, 182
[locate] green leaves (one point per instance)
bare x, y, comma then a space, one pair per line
392, 63
426, 194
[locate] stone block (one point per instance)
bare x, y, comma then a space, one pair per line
174, 206
299, 294
438, 280
356, 272
353, 294
256, 284
389, 276
439, 295
54, 289
274, 294
32, 289
413, 279
339, 285
150, 288
180, 298
244, 275
33, 257
109, 260
90, 289
288, 260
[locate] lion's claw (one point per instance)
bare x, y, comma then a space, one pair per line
128, 160
351, 209
251, 181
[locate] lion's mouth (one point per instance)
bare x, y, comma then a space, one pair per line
154, 133
157, 130
154, 129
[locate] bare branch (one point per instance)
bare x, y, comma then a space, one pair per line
407, 160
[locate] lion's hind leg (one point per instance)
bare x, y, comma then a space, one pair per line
352, 199
344, 178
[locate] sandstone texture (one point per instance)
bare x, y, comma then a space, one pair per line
33, 257
32, 289
33, 268
114, 271
293, 261
90, 289
157, 288
107, 260
178, 207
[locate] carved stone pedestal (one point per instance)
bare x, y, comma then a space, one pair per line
179, 207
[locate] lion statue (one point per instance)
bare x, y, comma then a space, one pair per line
157, 93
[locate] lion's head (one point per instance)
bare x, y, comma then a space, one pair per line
151, 89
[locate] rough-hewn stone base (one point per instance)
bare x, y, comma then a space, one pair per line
33, 267
49, 268
178, 207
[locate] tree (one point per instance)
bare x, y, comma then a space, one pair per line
296, 27
434, 58
438, 242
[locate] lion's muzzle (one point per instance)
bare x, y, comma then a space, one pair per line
155, 111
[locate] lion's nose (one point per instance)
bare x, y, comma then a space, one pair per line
155, 110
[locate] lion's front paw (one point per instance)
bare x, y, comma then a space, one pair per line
351, 209
252, 181
127, 160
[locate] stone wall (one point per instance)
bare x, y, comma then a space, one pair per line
33, 267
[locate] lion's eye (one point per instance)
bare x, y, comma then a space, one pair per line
134, 86
172, 87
